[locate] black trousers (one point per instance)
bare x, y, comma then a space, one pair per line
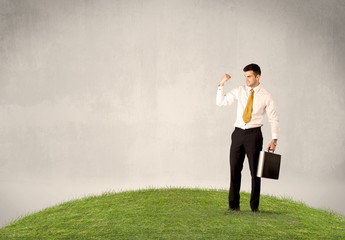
244, 142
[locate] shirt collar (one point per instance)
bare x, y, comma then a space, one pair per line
256, 89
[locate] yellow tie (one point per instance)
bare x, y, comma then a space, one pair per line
247, 114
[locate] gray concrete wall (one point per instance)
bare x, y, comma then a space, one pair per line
111, 95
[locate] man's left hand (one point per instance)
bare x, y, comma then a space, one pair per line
272, 146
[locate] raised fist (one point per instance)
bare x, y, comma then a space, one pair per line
225, 78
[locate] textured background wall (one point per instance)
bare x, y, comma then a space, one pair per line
111, 95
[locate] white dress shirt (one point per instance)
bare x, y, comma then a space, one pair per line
263, 103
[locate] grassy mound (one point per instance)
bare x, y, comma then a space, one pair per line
176, 214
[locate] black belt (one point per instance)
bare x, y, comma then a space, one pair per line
248, 129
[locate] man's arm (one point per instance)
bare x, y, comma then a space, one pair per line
221, 99
271, 111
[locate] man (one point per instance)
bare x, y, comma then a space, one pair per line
253, 101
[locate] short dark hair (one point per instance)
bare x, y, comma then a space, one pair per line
253, 67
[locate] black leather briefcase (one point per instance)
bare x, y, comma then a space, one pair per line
269, 165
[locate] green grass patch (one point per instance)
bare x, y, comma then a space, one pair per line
176, 214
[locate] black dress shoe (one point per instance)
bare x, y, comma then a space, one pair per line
234, 209
255, 210
230, 210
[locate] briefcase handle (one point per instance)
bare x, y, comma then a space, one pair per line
269, 150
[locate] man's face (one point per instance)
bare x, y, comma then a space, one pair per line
251, 80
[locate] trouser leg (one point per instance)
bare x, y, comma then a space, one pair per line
253, 146
237, 155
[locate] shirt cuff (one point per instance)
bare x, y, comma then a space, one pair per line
274, 135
